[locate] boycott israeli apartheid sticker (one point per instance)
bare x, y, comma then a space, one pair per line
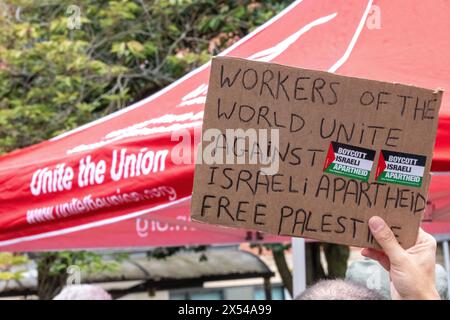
349, 161
401, 168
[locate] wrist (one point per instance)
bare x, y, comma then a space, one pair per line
430, 294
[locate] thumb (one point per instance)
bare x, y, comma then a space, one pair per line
386, 239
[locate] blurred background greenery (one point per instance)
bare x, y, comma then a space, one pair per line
55, 76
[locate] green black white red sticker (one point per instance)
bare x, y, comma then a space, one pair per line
401, 168
349, 161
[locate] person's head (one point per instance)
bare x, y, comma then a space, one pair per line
338, 290
83, 292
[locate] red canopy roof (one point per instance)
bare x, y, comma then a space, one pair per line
99, 185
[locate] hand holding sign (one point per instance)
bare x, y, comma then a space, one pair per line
311, 154
412, 271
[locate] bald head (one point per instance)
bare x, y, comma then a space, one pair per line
338, 290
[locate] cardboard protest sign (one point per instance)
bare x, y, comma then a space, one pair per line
305, 153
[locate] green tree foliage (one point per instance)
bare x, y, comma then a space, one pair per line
54, 267
58, 72
12, 266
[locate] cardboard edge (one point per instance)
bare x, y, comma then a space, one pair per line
435, 91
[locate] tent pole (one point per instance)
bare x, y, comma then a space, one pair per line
267, 288
445, 249
299, 259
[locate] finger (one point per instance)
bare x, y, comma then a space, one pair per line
371, 250
386, 239
378, 256
425, 243
424, 237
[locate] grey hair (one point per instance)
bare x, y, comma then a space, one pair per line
338, 290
